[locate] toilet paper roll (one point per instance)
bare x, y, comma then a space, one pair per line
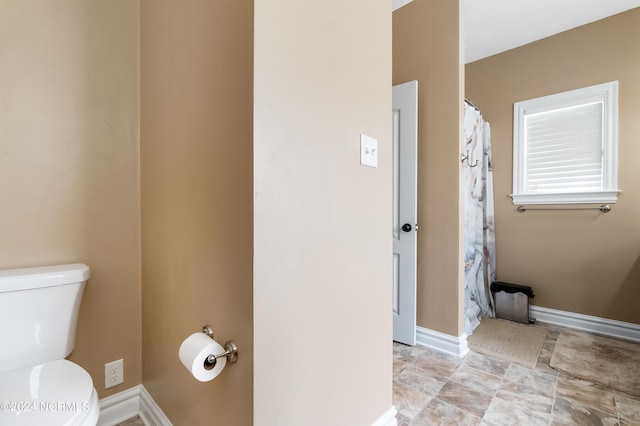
193, 353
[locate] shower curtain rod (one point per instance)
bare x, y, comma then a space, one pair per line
471, 104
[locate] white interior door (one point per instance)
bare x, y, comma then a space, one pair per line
405, 166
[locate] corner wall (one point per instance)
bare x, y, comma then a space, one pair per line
69, 162
426, 47
322, 246
196, 171
577, 261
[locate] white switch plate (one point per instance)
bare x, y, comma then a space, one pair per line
368, 151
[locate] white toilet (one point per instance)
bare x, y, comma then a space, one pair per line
38, 315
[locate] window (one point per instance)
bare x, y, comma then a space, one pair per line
565, 147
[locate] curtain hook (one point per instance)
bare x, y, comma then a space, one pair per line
464, 157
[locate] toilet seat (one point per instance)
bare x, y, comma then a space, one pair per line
56, 393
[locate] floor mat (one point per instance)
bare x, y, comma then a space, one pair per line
508, 340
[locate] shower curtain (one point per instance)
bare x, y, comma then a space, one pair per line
479, 237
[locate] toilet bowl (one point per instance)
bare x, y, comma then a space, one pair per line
38, 316
55, 393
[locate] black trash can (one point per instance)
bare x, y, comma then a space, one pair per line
512, 301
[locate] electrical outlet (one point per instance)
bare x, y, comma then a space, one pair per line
113, 373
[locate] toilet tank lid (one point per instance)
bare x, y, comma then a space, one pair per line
42, 276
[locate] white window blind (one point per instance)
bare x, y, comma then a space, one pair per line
565, 147
564, 150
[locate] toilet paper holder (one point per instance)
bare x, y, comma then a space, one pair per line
230, 350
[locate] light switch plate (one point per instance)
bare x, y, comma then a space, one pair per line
368, 151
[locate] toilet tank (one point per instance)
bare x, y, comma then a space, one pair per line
38, 313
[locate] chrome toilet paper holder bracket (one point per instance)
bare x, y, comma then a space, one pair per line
230, 348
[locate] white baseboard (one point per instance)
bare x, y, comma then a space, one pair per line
136, 401
604, 326
117, 408
388, 418
456, 346
129, 403
150, 412
397, 4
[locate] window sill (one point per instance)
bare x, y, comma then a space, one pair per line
569, 198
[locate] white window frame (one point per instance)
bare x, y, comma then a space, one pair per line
608, 94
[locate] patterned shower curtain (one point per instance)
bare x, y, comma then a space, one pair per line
479, 236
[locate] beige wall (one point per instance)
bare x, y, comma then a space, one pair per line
322, 251
69, 162
196, 173
577, 261
426, 47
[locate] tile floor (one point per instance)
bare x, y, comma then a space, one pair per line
432, 388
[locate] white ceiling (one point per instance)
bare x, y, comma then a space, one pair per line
494, 26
